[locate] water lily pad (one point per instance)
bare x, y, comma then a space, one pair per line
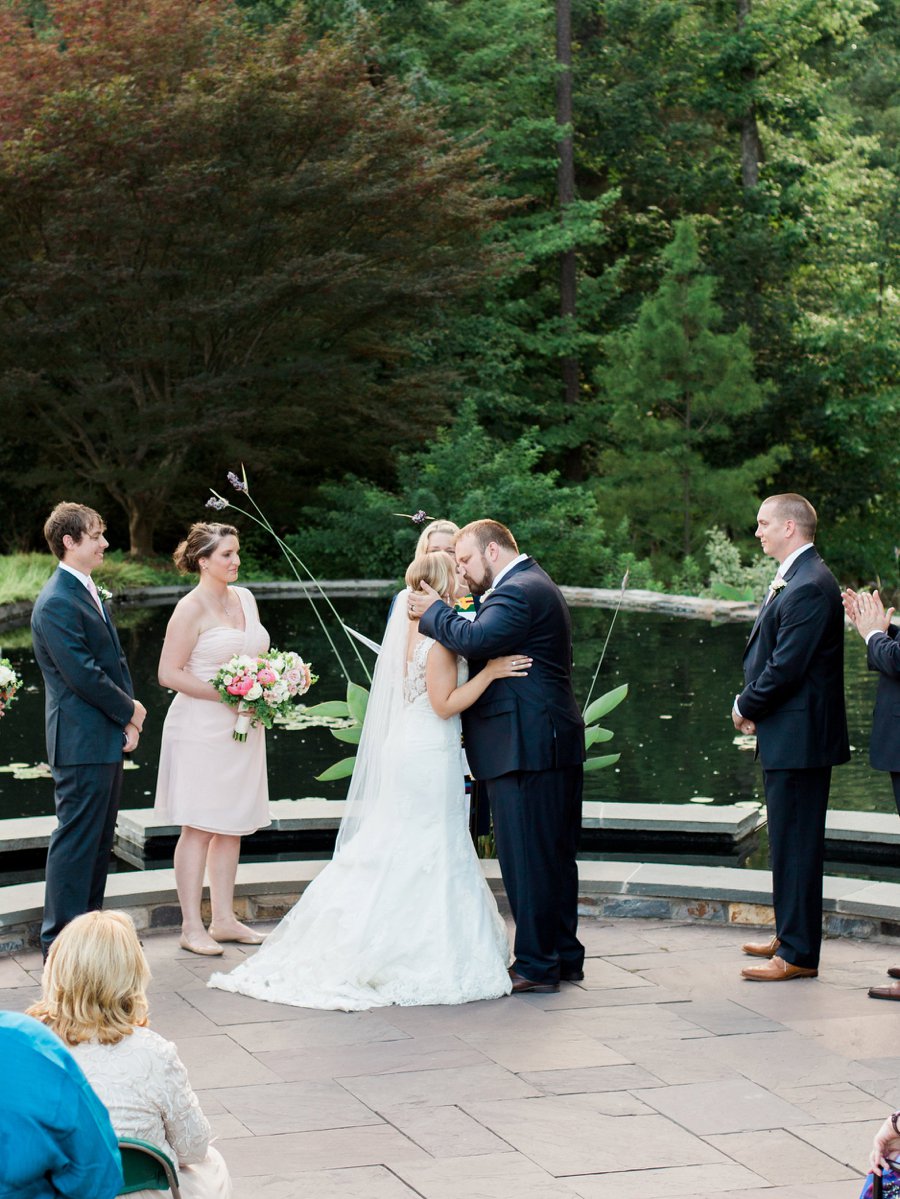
702, 799
303, 720
33, 772
745, 741
13, 766
129, 765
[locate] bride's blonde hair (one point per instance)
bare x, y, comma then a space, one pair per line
434, 569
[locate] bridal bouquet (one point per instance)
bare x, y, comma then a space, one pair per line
10, 683
262, 688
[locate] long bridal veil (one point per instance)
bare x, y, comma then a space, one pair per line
367, 795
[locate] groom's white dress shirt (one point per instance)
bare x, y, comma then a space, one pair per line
498, 578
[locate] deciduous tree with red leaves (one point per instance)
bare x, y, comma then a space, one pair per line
212, 238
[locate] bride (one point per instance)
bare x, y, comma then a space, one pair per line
402, 913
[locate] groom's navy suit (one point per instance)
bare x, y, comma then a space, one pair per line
883, 655
525, 740
89, 700
794, 673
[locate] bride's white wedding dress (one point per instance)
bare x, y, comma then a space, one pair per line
402, 913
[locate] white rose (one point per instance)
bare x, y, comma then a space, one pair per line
254, 693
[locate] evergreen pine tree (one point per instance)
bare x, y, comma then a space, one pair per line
672, 388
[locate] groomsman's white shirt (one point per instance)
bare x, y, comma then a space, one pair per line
779, 574
85, 581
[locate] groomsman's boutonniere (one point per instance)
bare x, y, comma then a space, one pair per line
104, 593
778, 585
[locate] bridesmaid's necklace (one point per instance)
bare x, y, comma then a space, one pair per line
228, 610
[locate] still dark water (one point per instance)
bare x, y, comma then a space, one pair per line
674, 730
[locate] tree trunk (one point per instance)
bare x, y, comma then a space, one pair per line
565, 185
142, 518
751, 150
686, 477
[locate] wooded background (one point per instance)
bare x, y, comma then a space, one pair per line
607, 270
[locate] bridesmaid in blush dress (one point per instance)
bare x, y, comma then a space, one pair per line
210, 784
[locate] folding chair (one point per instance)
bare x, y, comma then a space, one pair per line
145, 1167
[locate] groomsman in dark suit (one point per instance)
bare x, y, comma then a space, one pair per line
524, 742
883, 655
92, 717
793, 701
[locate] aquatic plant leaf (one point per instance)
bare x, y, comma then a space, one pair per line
340, 770
595, 734
599, 763
357, 701
351, 736
331, 707
605, 703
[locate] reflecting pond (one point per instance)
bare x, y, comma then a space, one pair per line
674, 730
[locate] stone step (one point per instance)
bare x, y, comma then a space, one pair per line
712, 894
139, 829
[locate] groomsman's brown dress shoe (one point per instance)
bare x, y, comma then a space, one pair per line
522, 985
762, 949
894, 971
777, 970
891, 992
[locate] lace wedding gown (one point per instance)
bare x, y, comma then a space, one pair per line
402, 913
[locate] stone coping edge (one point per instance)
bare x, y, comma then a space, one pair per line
853, 908
138, 827
634, 599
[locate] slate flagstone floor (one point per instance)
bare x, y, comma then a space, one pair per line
662, 1074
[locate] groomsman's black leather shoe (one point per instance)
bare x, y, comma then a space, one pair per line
522, 985
570, 976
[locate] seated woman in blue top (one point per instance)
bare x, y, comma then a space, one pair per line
55, 1134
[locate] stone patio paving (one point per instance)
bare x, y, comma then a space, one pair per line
662, 1074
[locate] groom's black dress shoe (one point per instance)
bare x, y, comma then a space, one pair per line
571, 975
521, 985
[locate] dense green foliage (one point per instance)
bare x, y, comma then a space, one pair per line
769, 126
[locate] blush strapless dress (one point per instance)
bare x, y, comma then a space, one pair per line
207, 779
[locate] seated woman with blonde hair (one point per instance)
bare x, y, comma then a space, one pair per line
94, 999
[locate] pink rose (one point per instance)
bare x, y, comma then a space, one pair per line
267, 676
241, 685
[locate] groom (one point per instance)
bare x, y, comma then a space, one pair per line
92, 717
524, 741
